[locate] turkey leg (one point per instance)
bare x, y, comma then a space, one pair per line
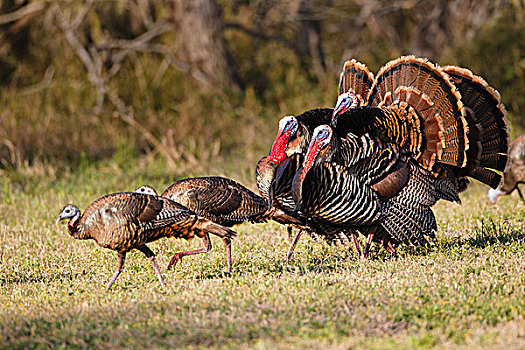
366, 250
519, 192
228, 246
178, 256
289, 230
356, 243
292, 246
120, 264
151, 256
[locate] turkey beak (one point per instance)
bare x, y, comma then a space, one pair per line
60, 218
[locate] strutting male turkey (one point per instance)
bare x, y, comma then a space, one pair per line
398, 145
275, 172
127, 221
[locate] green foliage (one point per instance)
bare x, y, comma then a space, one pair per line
498, 55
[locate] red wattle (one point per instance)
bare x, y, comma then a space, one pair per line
277, 154
310, 157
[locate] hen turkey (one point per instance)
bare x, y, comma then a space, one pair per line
127, 221
223, 201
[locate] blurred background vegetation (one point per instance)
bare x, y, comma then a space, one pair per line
197, 86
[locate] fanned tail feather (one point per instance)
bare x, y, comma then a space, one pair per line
486, 176
415, 83
487, 115
356, 78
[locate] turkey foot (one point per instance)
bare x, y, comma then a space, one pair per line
178, 256
389, 247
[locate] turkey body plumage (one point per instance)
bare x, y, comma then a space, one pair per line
126, 221
224, 201
379, 168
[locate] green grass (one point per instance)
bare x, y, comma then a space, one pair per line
467, 290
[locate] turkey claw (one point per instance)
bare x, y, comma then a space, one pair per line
174, 260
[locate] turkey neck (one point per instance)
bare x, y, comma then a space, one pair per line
326, 154
331, 152
300, 143
75, 229
265, 174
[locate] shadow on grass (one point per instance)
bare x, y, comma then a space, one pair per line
488, 234
45, 278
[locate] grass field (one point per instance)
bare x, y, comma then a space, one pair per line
468, 290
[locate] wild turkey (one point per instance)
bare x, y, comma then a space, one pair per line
222, 200
380, 167
294, 134
125, 221
275, 172
355, 83
514, 173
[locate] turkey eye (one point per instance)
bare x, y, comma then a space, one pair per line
289, 126
67, 210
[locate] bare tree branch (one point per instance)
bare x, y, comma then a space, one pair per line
91, 59
82, 14
155, 31
73, 40
30, 8
46, 81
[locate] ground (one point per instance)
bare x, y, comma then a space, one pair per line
466, 290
